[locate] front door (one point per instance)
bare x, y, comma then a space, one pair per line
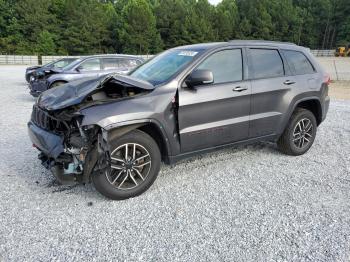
218, 113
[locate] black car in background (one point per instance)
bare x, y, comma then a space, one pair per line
60, 63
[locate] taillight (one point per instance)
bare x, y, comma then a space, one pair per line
327, 79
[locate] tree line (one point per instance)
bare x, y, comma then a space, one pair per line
79, 27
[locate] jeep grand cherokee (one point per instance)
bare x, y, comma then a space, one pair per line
115, 130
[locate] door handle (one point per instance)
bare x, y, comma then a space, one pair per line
239, 89
289, 82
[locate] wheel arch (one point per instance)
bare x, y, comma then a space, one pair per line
150, 127
56, 81
313, 105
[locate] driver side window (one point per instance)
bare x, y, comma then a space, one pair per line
226, 66
90, 65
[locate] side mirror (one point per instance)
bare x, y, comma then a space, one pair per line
79, 68
199, 77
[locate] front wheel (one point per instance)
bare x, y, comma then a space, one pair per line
135, 164
299, 134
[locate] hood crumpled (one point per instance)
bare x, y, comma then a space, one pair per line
75, 92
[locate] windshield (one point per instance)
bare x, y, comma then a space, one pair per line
72, 65
49, 64
164, 66
63, 62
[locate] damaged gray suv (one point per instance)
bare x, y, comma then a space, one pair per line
116, 130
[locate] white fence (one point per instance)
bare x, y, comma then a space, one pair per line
18, 60
327, 53
322, 53
34, 60
337, 67
48, 59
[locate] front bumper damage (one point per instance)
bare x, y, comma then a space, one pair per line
74, 151
36, 87
48, 143
69, 165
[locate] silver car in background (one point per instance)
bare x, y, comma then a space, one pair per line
85, 67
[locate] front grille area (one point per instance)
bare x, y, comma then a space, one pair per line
43, 119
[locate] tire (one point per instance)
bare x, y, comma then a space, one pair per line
295, 141
110, 183
58, 83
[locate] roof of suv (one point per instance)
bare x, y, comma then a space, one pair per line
260, 42
207, 46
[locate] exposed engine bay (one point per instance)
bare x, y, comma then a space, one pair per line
114, 89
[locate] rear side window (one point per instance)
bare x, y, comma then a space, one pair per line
225, 65
298, 62
112, 63
266, 63
90, 65
129, 63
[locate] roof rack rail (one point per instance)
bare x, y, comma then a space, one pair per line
262, 41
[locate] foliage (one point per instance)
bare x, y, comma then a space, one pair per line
138, 33
46, 44
77, 27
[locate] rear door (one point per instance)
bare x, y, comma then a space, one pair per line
272, 84
90, 67
119, 64
218, 113
305, 74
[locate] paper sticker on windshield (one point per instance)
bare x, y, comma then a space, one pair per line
188, 53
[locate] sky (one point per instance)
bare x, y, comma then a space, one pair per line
214, 2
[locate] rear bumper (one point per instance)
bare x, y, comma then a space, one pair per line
48, 143
325, 108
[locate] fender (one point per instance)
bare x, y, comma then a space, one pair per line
52, 83
54, 78
116, 130
293, 107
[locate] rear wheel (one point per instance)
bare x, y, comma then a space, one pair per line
299, 134
135, 164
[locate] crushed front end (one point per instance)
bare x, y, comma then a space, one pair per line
71, 150
38, 81
67, 149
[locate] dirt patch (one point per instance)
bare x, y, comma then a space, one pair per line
340, 90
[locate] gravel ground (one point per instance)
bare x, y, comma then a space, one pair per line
244, 204
340, 90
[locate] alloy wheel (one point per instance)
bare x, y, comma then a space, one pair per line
130, 166
303, 133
